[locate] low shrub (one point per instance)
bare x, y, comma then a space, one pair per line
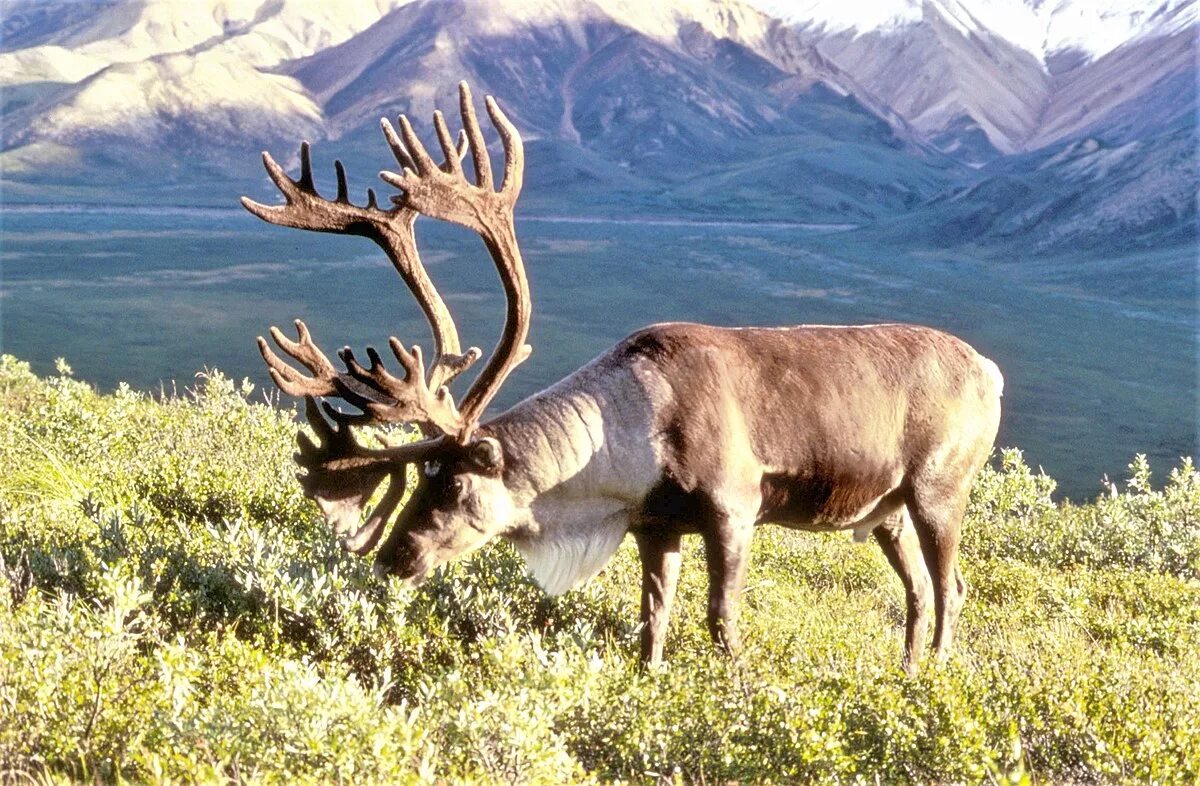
172, 609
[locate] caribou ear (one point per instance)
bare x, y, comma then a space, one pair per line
486, 454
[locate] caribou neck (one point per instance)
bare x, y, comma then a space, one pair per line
578, 465
583, 440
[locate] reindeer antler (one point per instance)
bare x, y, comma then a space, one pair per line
414, 401
339, 471
381, 396
337, 467
323, 381
444, 193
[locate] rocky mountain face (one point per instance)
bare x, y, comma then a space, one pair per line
1024, 74
1043, 122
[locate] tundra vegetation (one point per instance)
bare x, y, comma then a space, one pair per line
173, 609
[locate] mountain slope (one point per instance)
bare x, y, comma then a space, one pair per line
938, 73
1137, 90
1022, 74
1085, 195
941, 113
662, 112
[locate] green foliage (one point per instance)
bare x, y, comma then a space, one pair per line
1158, 531
172, 609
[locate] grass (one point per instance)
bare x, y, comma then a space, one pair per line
172, 610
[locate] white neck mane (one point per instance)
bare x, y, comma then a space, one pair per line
579, 500
563, 557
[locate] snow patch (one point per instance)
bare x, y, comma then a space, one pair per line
838, 15
1040, 27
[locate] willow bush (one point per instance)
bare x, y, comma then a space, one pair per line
172, 609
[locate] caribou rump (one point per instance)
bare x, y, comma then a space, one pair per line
678, 429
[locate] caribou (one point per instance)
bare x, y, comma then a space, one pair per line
678, 429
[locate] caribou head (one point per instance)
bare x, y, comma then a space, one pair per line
460, 501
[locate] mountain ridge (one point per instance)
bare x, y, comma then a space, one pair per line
709, 105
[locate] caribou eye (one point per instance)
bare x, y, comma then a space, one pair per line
432, 468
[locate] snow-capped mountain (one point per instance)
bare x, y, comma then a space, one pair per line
821, 109
1023, 73
141, 72
1047, 29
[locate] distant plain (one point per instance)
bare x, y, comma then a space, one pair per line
1099, 353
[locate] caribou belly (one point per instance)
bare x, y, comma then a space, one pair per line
822, 505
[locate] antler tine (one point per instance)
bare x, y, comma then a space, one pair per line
412, 399
343, 190
420, 157
479, 153
514, 150
288, 379
306, 176
335, 440
452, 153
399, 151
274, 214
447, 368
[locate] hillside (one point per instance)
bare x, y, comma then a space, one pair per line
918, 112
171, 609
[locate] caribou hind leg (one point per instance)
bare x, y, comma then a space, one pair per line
937, 507
898, 540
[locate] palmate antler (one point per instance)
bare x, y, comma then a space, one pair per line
342, 475
382, 397
444, 193
338, 467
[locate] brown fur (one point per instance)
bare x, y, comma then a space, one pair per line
819, 428
811, 427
